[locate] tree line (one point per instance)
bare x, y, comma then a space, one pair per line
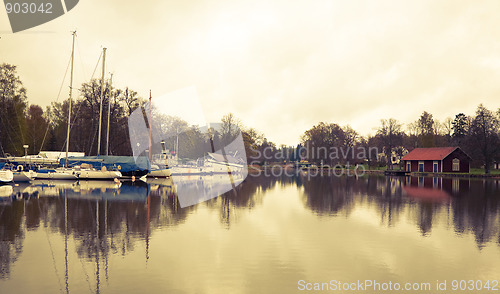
46, 129
477, 134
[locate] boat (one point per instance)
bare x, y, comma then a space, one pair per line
93, 174
166, 165
213, 171
18, 172
127, 165
219, 164
43, 158
157, 172
78, 173
6, 176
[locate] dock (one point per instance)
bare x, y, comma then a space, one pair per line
396, 173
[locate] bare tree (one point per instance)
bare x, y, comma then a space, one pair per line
426, 129
390, 135
484, 138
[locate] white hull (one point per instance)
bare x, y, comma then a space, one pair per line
160, 173
6, 176
89, 174
23, 176
187, 170
77, 173
218, 167
209, 168
56, 175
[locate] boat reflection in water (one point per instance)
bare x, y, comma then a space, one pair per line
192, 190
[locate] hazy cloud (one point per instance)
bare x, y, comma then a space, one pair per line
280, 66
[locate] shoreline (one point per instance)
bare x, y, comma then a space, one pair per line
254, 170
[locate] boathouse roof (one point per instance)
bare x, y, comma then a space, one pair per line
436, 153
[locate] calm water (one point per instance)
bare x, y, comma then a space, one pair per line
271, 236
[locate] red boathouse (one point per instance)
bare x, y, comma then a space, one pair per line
434, 160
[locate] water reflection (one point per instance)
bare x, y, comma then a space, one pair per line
472, 204
103, 219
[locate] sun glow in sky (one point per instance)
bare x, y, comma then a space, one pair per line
279, 66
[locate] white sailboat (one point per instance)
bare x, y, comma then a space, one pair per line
94, 174
77, 173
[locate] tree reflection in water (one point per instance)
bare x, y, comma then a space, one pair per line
472, 204
104, 219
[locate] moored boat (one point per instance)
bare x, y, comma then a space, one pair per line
77, 172
93, 174
6, 176
157, 172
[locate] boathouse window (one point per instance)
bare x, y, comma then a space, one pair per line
420, 166
456, 164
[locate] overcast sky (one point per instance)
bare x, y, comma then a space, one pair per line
280, 66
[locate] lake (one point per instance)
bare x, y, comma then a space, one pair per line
272, 234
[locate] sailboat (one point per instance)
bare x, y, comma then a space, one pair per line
78, 172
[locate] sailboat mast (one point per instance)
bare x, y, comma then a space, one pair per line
70, 92
109, 115
177, 146
102, 98
150, 120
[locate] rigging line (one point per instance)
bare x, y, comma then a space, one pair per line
97, 64
52, 253
81, 60
80, 105
57, 99
74, 120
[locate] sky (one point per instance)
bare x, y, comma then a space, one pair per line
279, 66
